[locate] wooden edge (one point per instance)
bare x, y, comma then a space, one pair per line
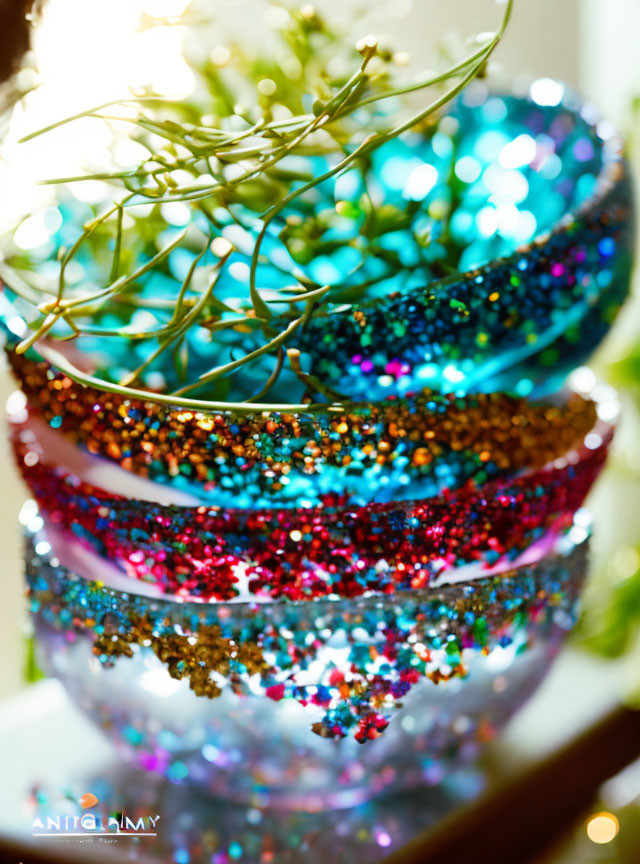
515, 822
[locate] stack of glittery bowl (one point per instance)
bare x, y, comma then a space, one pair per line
310, 607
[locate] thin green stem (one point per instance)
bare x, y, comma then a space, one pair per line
187, 321
236, 164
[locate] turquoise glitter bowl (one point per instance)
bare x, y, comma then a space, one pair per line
501, 255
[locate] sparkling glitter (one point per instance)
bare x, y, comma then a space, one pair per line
242, 460
392, 644
553, 191
430, 533
334, 549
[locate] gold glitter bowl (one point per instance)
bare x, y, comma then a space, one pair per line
389, 451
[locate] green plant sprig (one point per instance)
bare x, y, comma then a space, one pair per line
332, 128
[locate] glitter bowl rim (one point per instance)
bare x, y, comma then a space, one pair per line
612, 150
554, 544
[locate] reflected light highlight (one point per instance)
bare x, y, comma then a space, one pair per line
602, 828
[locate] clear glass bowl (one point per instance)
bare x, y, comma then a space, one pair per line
306, 705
